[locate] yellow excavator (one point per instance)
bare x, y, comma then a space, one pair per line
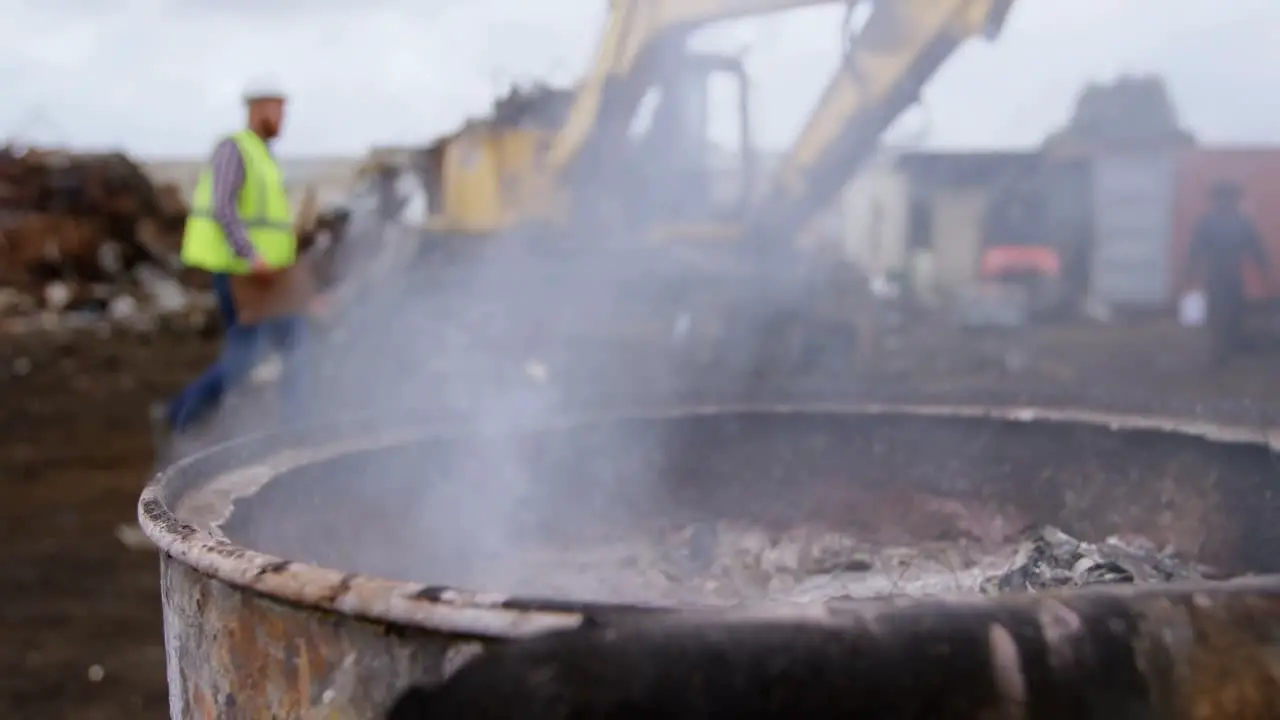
568, 169
557, 164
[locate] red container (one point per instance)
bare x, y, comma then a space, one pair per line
1257, 170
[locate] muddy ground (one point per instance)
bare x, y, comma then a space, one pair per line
75, 450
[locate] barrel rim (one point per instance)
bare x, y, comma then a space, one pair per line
491, 615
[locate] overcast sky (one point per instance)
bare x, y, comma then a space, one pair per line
163, 76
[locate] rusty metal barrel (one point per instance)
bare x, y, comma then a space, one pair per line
320, 572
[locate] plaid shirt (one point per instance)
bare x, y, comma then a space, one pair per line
228, 178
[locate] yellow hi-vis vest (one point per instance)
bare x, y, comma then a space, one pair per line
263, 206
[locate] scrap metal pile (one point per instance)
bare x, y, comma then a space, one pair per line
88, 237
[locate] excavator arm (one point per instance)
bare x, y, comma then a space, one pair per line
590, 153
887, 63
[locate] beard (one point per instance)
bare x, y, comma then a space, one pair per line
269, 127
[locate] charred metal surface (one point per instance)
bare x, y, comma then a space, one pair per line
272, 634
1103, 656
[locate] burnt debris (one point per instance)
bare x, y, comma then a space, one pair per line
1051, 559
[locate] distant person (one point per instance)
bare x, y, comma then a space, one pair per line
240, 229
1225, 239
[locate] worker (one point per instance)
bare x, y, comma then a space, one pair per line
1224, 240
240, 229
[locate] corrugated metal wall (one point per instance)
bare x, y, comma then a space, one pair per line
1132, 228
1257, 170
874, 211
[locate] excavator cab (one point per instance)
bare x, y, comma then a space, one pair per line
651, 162
683, 175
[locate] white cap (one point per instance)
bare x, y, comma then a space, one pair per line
263, 88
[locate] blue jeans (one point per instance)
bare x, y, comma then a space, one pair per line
204, 393
226, 306
242, 348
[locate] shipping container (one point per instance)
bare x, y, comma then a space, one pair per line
1133, 198
1257, 170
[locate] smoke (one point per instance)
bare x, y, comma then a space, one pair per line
478, 333
599, 316
502, 335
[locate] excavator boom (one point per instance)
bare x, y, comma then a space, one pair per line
889, 60
585, 166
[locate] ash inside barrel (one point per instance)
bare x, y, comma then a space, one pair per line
729, 562
1050, 558
869, 544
